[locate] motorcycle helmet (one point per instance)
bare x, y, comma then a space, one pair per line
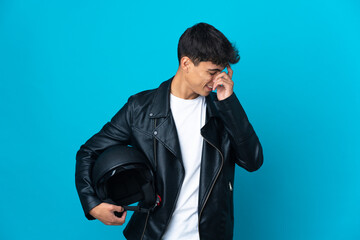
122, 175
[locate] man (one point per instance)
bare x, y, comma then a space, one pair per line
193, 138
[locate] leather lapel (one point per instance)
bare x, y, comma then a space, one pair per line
165, 132
210, 130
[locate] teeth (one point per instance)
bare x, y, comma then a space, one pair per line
209, 86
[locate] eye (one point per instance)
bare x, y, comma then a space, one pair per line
212, 74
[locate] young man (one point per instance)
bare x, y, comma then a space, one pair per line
193, 138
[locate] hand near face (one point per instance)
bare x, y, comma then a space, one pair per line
224, 84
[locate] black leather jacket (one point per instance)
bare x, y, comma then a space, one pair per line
146, 123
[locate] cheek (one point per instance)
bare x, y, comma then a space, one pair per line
206, 77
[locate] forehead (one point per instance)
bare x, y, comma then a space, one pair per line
210, 66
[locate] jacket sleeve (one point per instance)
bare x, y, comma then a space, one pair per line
244, 140
117, 131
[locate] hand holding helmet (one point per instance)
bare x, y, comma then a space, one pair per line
105, 213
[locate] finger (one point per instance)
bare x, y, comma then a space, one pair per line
230, 71
119, 221
222, 75
115, 208
219, 83
227, 83
224, 78
117, 211
123, 217
114, 220
118, 208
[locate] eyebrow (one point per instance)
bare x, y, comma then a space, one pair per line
214, 69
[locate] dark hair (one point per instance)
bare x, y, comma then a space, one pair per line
203, 42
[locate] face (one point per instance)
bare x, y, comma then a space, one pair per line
200, 78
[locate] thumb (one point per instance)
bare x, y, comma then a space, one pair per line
118, 209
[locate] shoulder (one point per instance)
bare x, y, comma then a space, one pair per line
147, 96
142, 98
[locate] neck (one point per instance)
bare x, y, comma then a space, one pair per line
179, 86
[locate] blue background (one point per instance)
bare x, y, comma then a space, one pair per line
66, 67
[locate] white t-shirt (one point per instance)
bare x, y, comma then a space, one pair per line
189, 116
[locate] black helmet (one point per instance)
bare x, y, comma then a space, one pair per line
122, 176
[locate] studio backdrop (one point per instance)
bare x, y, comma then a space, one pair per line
66, 67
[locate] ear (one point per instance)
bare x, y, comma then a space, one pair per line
186, 64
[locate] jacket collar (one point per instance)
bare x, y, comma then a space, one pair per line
161, 102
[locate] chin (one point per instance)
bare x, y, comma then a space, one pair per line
205, 94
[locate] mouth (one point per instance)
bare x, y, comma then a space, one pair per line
210, 87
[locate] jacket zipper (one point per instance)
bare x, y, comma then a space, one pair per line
155, 161
147, 217
212, 186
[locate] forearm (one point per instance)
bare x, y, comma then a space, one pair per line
243, 138
117, 131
